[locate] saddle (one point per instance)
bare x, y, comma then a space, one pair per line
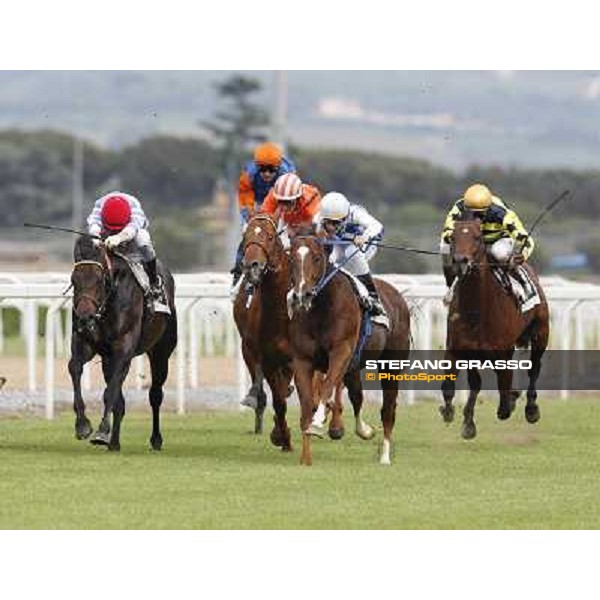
519, 284
134, 259
364, 299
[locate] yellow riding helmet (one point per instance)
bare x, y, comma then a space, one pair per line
478, 197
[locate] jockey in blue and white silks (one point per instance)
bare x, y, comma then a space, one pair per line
343, 221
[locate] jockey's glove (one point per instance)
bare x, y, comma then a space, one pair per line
114, 241
517, 259
360, 241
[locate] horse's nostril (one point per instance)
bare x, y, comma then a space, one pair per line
254, 264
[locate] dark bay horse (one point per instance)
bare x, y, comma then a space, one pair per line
109, 319
262, 320
324, 333
484, 322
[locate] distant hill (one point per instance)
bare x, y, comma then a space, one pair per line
453, 118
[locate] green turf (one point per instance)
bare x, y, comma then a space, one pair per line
213, 473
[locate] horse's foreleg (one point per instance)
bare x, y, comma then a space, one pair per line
80, 354
469, 431
532, 410
506, 405
339, 358
279, 381
303, 377
448, 391
336, 425
256, 398
115, 371
355, 393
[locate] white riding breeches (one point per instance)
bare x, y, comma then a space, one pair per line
501, 250
359, 263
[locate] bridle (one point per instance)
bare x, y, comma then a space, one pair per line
100, 306
268, 266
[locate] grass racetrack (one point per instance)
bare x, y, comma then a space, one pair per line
214, 474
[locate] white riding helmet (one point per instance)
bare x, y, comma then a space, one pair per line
334, 206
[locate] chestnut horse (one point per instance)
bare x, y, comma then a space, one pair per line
324, 334
261, 317
109, 320
484, 322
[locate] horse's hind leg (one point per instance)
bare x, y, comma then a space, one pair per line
388, 419
355, 393
80, 354
469, 431
159, 368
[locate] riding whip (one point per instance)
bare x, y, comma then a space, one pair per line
63, 229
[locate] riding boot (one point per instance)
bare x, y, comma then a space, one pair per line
156, 299
377, 307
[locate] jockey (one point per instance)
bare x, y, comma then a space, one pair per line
256, 180
343, 221
507, 241
118, 218
293, 203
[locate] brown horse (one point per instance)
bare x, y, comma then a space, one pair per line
485, 322
324, 333
261, 317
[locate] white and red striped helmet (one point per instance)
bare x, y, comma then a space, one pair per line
287, 188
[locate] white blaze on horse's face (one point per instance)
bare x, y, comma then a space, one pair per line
302, 252
257, 230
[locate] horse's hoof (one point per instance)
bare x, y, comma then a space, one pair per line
503, 413
447, 413
336, 434
276, 437
83, 430
100, 439
156, 444
469, 431
258, 428
287, 447
385, 461
366, 432
532, 414
114, 447
250, 401
316, 430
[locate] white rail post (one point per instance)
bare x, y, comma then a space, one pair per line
30, 315
53, 307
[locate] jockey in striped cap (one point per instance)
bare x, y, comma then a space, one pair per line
293, 203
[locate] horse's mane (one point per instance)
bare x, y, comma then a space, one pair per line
85, 249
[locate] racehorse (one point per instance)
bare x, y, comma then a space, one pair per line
110, 319
485, 322
324, 332
260, 313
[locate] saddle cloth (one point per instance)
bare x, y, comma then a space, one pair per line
526, 294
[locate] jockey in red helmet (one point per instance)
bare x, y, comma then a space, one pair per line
118, 218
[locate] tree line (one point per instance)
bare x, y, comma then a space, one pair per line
175, 177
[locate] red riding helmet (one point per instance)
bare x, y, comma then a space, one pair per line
116, 213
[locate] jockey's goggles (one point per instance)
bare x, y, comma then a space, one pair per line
267, 169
